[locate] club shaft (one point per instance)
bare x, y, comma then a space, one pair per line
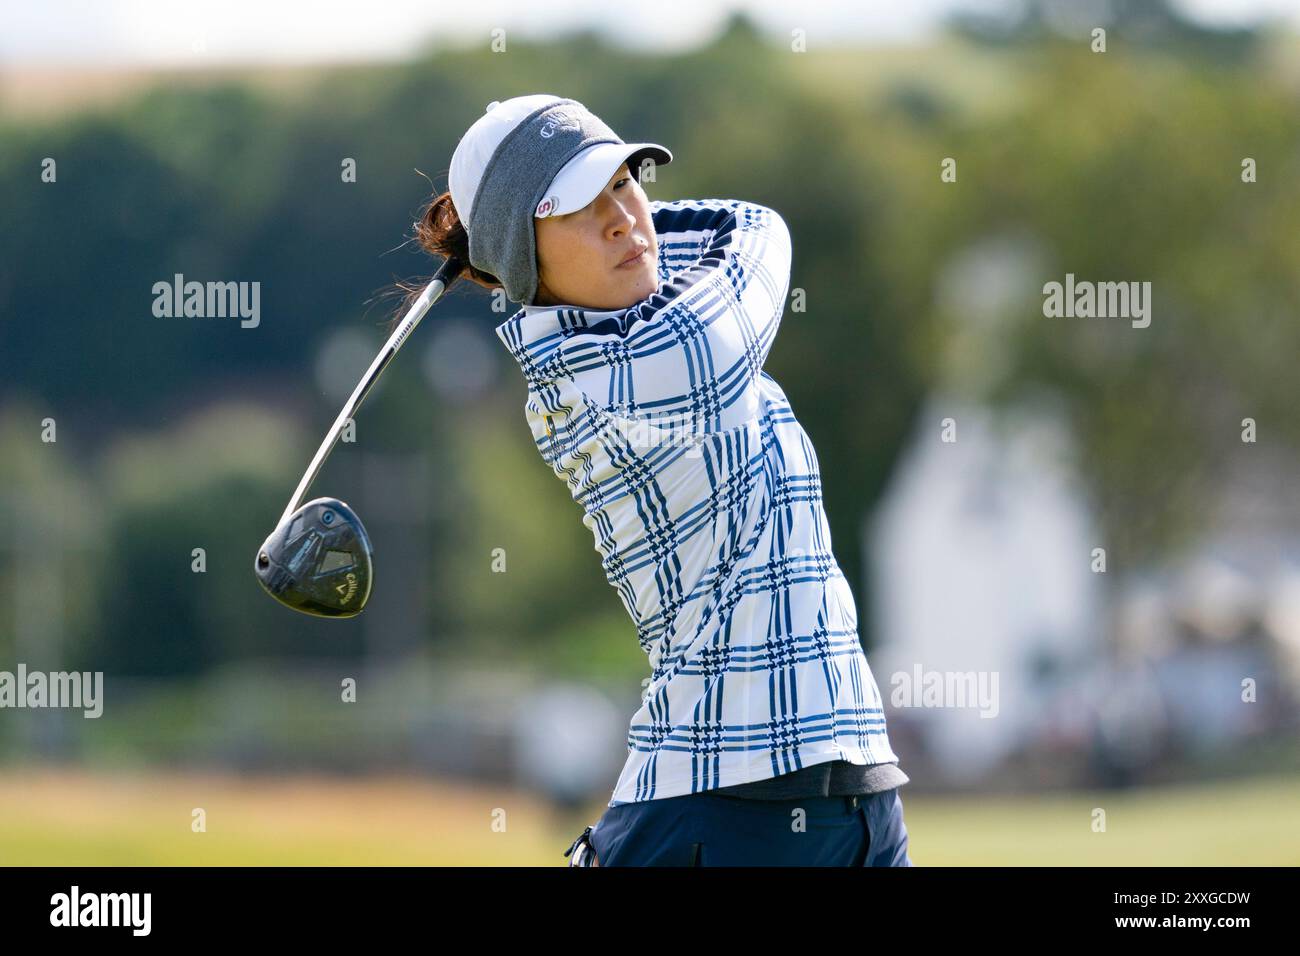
428, 296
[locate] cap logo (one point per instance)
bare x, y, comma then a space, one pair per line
561, 118
546, 207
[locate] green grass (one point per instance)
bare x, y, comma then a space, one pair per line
1247, 823
62, 817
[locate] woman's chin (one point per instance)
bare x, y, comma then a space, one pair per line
640, 286
633, 289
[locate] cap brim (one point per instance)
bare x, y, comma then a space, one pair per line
584, 176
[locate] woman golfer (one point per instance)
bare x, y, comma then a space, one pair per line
644, 326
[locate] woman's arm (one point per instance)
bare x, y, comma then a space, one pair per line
696, 346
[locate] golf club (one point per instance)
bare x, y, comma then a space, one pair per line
318, 560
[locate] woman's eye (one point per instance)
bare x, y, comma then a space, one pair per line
622, 181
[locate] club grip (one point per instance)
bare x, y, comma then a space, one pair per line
449, 271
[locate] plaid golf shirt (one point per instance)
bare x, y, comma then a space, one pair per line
703, 495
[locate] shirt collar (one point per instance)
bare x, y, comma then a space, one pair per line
535, 323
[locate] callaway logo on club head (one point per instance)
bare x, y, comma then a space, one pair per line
347, 590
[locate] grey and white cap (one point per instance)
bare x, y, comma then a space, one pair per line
524, 159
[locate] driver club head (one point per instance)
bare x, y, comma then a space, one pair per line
318, 560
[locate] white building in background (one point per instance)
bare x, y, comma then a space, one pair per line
570, 741
981, 554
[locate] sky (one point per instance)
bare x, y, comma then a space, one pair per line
210, 32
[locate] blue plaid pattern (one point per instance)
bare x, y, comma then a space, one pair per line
703, 495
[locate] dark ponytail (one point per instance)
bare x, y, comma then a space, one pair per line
440, 233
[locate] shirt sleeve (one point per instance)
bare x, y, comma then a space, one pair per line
692, 352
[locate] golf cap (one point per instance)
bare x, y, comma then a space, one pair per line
524, 159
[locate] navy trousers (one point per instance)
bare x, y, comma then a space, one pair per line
709, 829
